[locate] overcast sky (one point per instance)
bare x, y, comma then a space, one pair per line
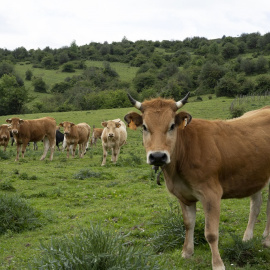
37, 24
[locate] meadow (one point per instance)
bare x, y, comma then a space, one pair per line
74, 194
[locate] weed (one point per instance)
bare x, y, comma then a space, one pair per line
4, 155
244, 253
16, 215
23, 176
7, 186
93, 249
86, 173
172, 232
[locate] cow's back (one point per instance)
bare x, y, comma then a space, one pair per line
36, 129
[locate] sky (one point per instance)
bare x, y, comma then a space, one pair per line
34, 24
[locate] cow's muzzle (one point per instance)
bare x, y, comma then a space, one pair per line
158, 158
14, 131
110, 135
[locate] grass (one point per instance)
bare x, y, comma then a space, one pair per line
123, 199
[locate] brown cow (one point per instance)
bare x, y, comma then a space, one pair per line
25, 131
113, 137
4, 136
96, 135
207, 161
76, 134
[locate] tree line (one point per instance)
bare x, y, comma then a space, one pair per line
228, 66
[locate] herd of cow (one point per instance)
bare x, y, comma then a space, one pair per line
202, 160
45, 129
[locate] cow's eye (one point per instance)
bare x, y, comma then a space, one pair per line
172, 127
144, 127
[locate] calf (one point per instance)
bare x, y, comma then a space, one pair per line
25, 131
96, 135
113, 137
4, 136
76, 134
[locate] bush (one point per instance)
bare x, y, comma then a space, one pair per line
94, 249
39, 85
16, 215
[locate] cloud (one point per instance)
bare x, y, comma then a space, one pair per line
37, 24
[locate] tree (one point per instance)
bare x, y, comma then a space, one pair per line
6, 68
210, 74
227, 86
229, 50
12, 96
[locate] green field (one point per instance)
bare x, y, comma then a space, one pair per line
122, 198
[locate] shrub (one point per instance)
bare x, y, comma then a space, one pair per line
93, 249
237, 112
16, 215
39, 85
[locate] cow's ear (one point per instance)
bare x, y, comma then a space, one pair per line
61, 124
118, 125
72, 124
182, 119
8, 121
133, 120
104, 124
21, 121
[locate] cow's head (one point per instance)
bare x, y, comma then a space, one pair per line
160, 122
15, 124
110, 127
67, 127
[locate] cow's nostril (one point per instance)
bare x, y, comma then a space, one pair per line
158, 158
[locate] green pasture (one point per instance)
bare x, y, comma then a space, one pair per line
123, 198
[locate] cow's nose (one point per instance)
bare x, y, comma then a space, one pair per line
14, 131
110, 134
158, 158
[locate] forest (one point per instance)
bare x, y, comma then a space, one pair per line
228, 66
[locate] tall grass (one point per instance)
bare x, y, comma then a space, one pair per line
94, 249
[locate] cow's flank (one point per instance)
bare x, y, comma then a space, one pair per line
25, 131
207, 161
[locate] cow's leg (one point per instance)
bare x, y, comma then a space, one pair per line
115, 153
74, 149
105, 153
189, 216
255, 207
18, 151
266, 233
46, 146
211, 205
24, 145
52, 146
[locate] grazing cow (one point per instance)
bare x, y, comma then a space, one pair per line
207, 161
114, 135
59, 138
4, 136
96, 135
76, 134
25, 131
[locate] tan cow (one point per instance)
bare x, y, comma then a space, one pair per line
76, 134
113, 137
96, 135
207, 161
4, 136
25, 131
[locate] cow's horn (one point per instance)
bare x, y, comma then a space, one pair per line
183, 101
135, 103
